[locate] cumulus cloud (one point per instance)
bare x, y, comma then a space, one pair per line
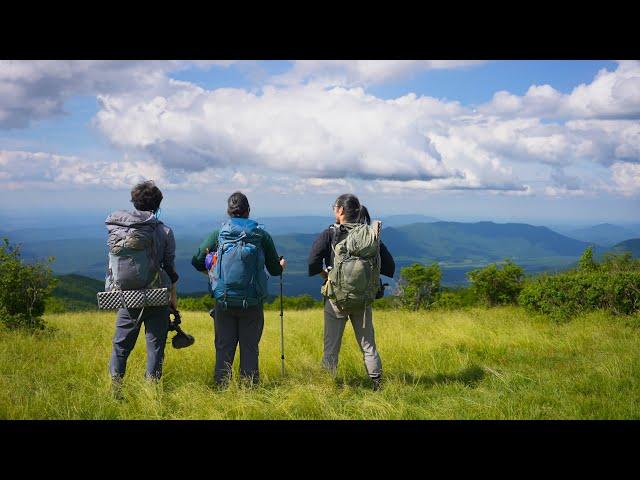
20, 167
419, 142
611, 95
317, 129
626, 177
362, 72
304, 130
35, 89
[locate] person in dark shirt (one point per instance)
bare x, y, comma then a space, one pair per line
238, 325
347, 209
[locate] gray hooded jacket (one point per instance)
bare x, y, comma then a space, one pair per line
145, 224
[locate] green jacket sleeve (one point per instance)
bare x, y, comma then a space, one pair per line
271, 257
211, 243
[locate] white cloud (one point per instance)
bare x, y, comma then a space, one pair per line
35, 89
305, 130
311, 131
611, 94
312, 137
626, 177
42, 168
361, 72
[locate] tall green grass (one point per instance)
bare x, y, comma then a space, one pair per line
497, 363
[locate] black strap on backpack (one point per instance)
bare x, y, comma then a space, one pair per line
334, 232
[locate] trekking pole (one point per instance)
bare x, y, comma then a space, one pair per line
281, 323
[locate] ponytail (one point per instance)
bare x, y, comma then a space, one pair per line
363, 215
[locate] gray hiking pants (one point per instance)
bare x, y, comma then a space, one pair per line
334, 323
233, 326
156, 328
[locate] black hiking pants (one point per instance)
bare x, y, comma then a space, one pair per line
233, 326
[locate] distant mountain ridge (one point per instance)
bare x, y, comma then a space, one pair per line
460, 241
604, 234
632, 245
458, 247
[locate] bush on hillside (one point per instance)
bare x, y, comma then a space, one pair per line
613, 285
566, 295
453, 299
498, 286
419, 285
24, 288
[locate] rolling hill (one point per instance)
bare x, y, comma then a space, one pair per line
632, 245
458, 247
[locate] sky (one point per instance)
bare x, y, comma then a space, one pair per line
533, 141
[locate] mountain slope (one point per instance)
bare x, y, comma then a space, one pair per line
457, 242
632, 245
604, 234
77, 292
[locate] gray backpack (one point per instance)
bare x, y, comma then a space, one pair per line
133, 256
354, 279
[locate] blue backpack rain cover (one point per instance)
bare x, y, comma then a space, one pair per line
238, 278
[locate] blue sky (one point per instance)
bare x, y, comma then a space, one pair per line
537, 141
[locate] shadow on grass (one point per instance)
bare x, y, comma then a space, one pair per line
469, 377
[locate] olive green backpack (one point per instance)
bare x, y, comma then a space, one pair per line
354, 279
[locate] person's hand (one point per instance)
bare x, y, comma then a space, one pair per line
324, 275
283, 263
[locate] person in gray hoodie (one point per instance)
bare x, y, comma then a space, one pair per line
146, 198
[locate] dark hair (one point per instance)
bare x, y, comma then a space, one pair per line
146, 196
238, 205
353, 211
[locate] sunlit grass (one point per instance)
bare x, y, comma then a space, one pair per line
474, 364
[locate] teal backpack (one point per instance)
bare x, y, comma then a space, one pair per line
238, 279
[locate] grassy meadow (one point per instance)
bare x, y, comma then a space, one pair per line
499, 363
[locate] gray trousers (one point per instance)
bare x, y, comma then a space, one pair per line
334, 323
233, 326
156, 328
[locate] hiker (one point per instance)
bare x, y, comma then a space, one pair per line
339, 307
148, 247
235, 257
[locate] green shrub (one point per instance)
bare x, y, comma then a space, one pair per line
54, 305
24, 288
586, 262
498, 286
619, 262
419, 284
566, 295
452, 299
203, 302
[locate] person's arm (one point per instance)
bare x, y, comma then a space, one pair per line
320, 252
271, 258
387, 264
173, 299
168, 265
209, 244
168, 261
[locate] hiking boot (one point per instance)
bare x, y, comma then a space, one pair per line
377, 383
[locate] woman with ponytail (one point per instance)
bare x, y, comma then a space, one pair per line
347, 209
